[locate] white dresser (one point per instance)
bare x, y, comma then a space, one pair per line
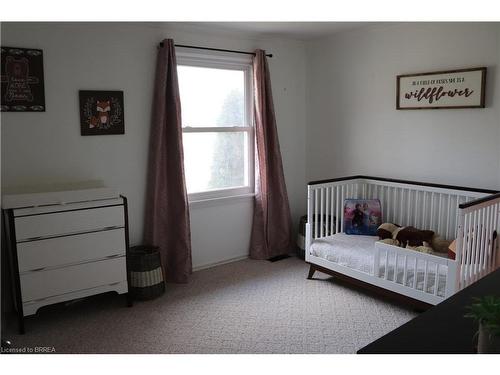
65, 245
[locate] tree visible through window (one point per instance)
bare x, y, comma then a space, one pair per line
217, 131
228, 156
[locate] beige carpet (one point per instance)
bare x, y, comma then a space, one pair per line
243, 307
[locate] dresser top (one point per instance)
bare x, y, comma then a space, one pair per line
57, 197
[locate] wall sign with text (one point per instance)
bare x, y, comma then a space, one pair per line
22, 80
463, 88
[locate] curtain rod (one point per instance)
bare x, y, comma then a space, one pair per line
217, 49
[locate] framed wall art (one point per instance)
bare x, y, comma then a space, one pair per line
22, 80
101, 112
462, 88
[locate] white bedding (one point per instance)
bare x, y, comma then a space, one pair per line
358, 252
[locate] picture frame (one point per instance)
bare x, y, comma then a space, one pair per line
460, 88
101, 112
22, 80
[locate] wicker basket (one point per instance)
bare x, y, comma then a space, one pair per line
146, 277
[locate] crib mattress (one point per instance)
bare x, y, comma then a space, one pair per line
358, 252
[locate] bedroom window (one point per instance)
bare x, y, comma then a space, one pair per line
217, 125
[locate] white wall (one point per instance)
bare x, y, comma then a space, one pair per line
354, 128
47, 148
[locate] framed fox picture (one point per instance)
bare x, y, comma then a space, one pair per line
101, 112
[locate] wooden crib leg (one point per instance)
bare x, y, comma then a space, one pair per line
312, 269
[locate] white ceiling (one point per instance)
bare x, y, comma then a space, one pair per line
294, 30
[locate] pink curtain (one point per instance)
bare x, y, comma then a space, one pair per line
272, 223
167, 211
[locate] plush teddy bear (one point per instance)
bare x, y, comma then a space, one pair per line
386, 230
422, 249
390, 241
408, 237
412, 236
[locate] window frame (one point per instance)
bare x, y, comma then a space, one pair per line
222, 61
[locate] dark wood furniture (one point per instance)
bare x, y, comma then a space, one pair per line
440, 330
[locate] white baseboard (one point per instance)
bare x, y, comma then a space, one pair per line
214, 264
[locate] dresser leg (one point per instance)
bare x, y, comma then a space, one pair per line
130, 300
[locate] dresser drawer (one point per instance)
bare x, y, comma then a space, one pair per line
54, 252
43, 284
67, 222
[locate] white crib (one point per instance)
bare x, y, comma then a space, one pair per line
468, 215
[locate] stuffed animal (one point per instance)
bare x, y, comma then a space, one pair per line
386, 230
412, 236
439, 244
408, 237
390, 241
421, 249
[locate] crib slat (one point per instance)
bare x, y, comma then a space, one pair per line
408, 209
479, 256
490, 237
394, 204
479, 232
321, 212
337, 212
426, 276
484, 245
469, 248
396, 268
386, 273
436, 280
489, 250
342, 209
315, 216
431, 220
415, 274
424, 209
440, 199
405, 273
473, 246
388, 199
448, 218
465, 245
416, 209
332, 216
400, 216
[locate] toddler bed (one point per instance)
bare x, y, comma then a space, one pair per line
470, 216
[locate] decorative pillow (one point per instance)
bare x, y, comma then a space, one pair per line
362, 216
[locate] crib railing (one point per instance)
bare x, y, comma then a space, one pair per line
420, 274
425, 206
477, 245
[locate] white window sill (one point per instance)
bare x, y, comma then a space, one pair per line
218, 201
